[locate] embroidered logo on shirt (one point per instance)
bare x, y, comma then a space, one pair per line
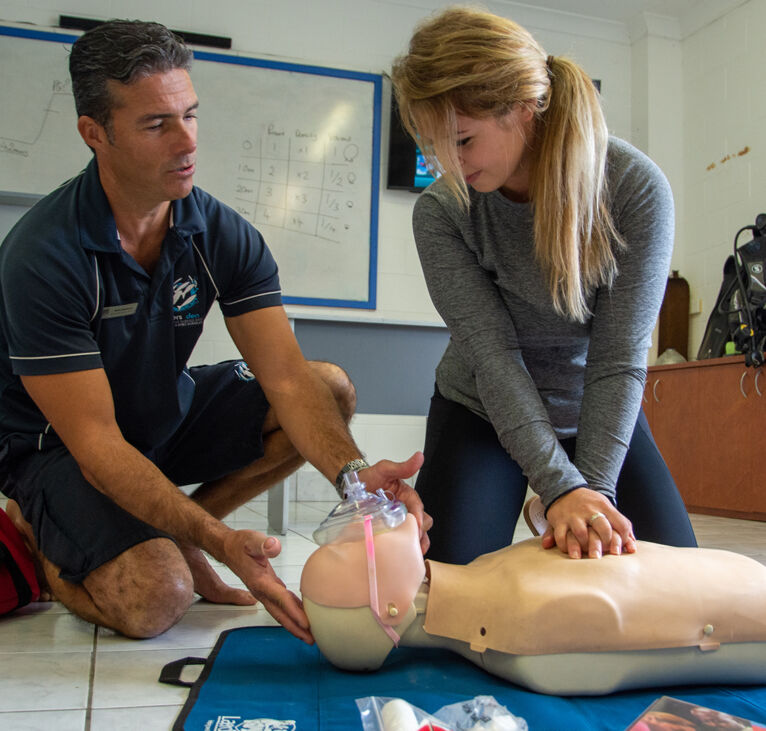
243, 372
185, 297
185, 291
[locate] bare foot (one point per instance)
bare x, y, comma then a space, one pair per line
209, 585
13, 511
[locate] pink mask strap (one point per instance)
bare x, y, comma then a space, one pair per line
373, 577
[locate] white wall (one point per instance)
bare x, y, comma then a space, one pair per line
724, 146
656, 107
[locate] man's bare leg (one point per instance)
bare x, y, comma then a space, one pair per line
140, 593
280, 459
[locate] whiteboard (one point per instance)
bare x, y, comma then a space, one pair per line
295, 149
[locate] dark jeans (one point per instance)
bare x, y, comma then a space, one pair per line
475, 491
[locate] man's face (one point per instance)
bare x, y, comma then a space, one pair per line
149, 153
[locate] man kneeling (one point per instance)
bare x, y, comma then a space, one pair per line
105, 284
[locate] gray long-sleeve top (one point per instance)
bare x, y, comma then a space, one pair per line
536, 376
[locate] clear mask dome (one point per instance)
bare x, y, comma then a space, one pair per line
346, 520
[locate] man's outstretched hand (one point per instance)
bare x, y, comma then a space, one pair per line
247, 554
390, 477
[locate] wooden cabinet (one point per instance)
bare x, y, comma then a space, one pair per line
709, 421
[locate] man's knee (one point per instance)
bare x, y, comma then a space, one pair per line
159, 611
163, 608
145, 591
340, 384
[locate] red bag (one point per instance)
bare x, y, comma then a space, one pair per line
18, 582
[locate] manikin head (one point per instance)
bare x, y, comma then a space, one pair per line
340, 600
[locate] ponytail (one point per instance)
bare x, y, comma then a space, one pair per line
574, 231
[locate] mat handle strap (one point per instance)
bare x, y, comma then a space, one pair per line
171, 673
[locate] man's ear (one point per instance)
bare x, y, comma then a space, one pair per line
92, 133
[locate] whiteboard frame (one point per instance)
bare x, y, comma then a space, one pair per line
244, 60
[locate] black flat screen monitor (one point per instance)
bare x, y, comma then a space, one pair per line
407, 169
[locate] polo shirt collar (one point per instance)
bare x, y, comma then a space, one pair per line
98, 231
186, 216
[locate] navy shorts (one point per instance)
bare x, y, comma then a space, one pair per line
79, 529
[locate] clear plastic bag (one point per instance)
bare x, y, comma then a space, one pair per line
482, 713
395, 714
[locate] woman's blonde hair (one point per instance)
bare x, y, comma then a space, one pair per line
465, 61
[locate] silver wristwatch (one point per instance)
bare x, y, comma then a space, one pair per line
353, 466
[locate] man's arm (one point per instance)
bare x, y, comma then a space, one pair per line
80, 408
306, 410
305, 407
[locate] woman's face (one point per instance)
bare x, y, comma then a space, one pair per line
494, 153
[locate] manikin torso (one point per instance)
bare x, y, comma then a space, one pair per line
663, 615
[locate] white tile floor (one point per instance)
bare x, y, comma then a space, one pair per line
58, 672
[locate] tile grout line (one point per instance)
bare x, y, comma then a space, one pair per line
91, 680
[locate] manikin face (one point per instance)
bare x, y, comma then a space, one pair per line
337, 574
494, 153
148, 154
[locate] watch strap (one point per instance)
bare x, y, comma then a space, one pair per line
353, 466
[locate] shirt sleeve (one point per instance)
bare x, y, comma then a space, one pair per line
623, 320
246, 273
482, 329
48, 305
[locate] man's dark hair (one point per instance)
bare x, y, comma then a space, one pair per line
122, 50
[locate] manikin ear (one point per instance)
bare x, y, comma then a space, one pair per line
92, 133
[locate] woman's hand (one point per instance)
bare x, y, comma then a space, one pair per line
584, 523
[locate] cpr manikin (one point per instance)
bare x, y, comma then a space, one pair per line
661, 616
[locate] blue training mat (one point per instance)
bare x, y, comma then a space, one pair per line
265, 672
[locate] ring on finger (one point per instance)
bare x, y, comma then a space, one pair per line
593, 518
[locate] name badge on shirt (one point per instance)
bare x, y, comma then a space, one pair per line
119, 310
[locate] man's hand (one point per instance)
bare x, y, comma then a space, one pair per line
389, 476
247, 554
584, 522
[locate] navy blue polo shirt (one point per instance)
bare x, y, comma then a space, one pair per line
73, 299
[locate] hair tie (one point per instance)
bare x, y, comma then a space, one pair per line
549, 66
